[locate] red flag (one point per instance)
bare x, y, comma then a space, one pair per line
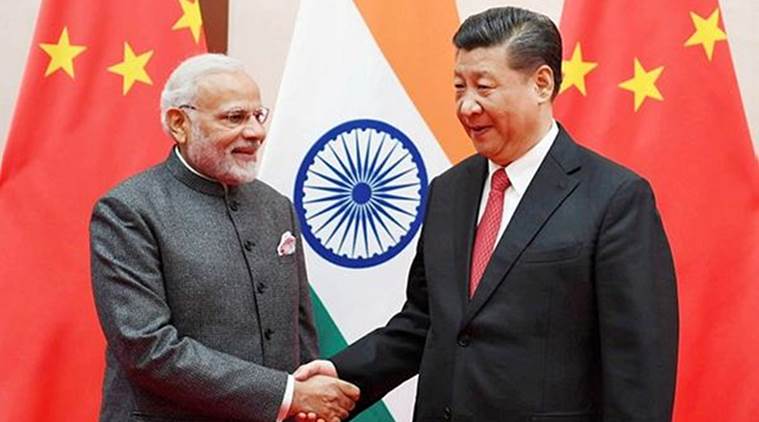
87, 117
653, 87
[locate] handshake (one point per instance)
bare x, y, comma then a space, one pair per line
319, 396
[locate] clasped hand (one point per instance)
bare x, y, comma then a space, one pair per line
319, 396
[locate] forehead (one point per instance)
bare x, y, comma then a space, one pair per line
225, 89
482, 61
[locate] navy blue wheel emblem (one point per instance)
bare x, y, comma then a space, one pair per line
360, 193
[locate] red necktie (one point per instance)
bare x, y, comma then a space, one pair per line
487, 230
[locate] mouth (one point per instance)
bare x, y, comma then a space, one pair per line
477, 131
247, 152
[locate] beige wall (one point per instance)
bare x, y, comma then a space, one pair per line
740, 17
17, 20
260, 32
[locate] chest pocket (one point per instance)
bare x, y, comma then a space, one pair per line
552, 253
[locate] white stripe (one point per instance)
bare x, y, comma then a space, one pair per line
336, 72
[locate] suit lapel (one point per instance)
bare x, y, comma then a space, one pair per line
552, 183
466, 204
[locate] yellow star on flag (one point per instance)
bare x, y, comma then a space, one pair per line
132, 68
191, 18
707, 32
62, 54
643, 84
575, 70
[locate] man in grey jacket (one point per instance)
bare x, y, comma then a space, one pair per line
198, 271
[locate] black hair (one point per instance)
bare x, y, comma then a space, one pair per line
530, 39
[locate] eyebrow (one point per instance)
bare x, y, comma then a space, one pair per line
236, 109
477, 73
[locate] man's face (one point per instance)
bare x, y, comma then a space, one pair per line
498, 106
225, 136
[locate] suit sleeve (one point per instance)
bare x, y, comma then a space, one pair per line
307, 335
386, 357
136, 319
637, 309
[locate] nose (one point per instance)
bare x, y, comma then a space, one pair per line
469, 106
253, 130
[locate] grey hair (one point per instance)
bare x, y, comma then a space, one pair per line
181, 87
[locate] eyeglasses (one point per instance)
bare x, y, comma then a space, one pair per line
235, 118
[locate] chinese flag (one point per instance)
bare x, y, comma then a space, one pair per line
87, 117
652, 86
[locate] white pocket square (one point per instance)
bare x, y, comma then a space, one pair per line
286, 244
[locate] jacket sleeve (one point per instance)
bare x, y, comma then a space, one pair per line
131, 303
637, 308
386, 357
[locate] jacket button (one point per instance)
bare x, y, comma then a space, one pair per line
464, 341
234, 205
248, 245
261, 287
268, 333
447, 413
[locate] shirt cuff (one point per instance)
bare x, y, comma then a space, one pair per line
287, 400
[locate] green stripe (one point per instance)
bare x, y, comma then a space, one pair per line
332, 341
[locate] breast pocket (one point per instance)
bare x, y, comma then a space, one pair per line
552, 253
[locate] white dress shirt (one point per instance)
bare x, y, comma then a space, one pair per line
520, 173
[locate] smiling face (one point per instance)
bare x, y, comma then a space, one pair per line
222, 135
505, 112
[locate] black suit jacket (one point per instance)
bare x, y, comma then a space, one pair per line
575, 318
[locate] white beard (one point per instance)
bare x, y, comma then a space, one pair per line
207, 158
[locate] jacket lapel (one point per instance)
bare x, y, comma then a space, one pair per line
552, 183
466, 206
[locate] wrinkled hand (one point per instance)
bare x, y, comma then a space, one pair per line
328, 398
315, 367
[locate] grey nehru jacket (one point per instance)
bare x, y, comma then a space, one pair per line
202, 316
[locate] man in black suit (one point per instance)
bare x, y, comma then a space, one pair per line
543, 287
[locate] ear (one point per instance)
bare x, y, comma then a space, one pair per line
178, 124
543, 78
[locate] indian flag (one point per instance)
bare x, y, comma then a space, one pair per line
353, 141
